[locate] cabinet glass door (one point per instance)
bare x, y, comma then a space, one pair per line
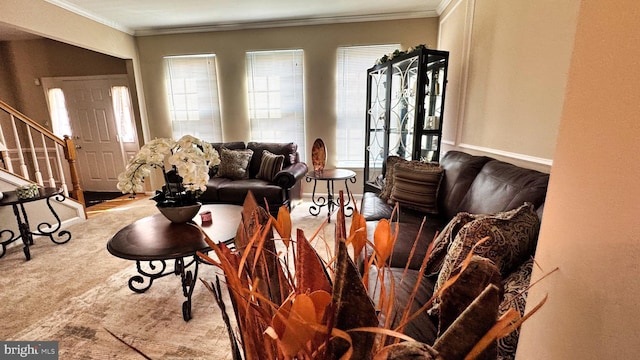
404, 78
376, 115
433, 104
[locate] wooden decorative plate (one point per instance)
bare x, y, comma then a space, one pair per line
318, 155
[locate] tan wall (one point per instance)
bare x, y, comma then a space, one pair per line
590, 228
508, 74
319, 44
42, 18
31, 60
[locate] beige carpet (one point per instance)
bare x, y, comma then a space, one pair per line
73, 293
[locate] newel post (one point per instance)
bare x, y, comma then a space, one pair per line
70, 155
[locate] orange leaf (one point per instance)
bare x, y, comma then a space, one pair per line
283, 225
296, 322
382, 241
357, 233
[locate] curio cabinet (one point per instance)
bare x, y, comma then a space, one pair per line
405, 102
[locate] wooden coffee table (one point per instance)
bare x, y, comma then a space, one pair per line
153, 241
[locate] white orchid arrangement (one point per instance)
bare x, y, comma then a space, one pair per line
188, 161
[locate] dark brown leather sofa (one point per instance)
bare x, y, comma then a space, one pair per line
472, 184
283, 190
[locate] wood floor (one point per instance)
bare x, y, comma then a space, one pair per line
114, 203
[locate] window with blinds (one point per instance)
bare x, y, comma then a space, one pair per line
351, 96
275, 96
192, 91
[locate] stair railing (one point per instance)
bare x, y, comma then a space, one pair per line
48, 154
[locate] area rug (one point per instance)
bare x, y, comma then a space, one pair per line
77, 294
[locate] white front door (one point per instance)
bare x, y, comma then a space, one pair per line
95, 133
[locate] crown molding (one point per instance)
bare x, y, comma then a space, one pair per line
247, 24
442, 6
286, 23
89, 15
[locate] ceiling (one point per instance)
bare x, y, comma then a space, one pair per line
147, 17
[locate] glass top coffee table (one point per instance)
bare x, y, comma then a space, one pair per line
154, 241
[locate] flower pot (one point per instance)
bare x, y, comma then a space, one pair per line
180, 214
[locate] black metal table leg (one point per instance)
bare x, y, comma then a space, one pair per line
156, 269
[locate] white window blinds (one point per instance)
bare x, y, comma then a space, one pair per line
351, 96
275, 94
192, 90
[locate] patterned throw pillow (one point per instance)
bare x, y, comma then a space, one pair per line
515, 296
385, 194
234, 163
416, 185
444, 239
270, 165
512, 239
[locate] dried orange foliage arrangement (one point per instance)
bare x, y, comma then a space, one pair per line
292, 304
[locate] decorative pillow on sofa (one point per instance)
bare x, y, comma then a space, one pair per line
270, 165
515, 296
385, 194
416, 185
234, 163
512, 239
444, 239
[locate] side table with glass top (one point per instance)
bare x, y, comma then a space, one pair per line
25, 233
330, 201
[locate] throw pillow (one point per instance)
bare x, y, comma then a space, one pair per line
270, 165
512, 239
416, 185
234, 163
444, 239
515, 296
471, 282
385, 194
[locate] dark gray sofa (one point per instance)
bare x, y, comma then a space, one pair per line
470, 184
283, 190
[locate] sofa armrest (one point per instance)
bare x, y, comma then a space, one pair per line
289, 176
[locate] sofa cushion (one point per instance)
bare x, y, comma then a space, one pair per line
460, 169
422, 328
234, 192
512, 239
416, 185
515, 296
269, 165
234, 163
501, 186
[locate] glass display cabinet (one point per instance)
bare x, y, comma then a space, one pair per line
405, 102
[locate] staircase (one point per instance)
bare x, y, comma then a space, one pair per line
31, 154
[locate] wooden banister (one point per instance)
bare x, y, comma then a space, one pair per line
67, 145
70, 155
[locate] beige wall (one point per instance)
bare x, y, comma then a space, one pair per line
42, 18
319, 44
508, 74
30, 60
591, 227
